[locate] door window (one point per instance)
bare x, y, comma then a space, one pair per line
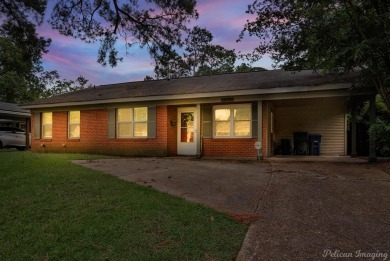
187, 127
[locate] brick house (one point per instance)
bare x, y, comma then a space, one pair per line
218, 115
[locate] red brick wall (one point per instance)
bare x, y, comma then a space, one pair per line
172, 131
94, 136
229, 147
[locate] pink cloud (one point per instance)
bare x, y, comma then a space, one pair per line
72, 57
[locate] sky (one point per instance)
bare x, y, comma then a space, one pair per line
72, 57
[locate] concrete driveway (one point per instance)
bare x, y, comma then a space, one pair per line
227, 186
322, 211
305, 208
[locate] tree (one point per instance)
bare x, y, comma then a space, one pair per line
155, 24
244, 67
328, 35
58, 86
21, 49
380, 129
197, 44
199, 57
170, 65
217, 60
22, 77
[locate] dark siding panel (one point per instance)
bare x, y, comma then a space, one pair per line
111, 124
152, 122
254, 120
37, 125
207, 119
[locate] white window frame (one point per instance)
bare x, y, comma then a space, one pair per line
73, 124
232, 107
46, 124
132, 122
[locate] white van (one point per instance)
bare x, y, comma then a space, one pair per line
11, 137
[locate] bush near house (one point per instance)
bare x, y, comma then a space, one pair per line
381, 128
52, 209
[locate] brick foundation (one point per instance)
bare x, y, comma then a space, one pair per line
229, 148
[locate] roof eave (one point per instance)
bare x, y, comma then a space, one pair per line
277, 90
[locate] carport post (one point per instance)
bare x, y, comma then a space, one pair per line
28, 130
353, 131
260, 126
371, 139
197, 133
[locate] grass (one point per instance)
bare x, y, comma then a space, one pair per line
51, 209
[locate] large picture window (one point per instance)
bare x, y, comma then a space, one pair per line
232, 121
47, 125
132, 122
74, 124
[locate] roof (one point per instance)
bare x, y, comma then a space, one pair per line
12, 109
193, 85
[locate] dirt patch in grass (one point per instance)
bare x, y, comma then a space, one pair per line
245, 218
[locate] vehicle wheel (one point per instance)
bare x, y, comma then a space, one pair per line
21, 148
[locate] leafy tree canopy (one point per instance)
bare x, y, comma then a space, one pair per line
21, 49
155, 24
198, 57
329, 35
244, 67
60, 86
22, 77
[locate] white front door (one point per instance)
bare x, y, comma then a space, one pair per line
186, 131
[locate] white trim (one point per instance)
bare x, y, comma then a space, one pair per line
187, 148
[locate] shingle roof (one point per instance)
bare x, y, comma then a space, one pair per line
192, 85
12, 108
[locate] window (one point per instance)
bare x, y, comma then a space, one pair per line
74, 124
232, 121
47, 124
132, 122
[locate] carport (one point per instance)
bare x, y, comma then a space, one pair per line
12, 115
324, 117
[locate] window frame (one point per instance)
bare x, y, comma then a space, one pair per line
46, 124
132, 123
74, 124
231, 107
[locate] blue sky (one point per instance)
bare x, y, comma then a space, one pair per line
72, 58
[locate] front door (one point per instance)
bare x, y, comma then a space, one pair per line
186, 131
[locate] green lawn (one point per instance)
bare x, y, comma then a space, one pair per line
51, 209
